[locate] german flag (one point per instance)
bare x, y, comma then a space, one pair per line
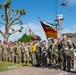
49, 30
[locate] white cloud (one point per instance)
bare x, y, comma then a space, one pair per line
71, 2
71, 29
37, 29
74, 26
66, 31
14, 36
17, 35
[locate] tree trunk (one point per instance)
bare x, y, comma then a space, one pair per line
6, 38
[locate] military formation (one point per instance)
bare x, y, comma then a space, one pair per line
15, 52
57, 53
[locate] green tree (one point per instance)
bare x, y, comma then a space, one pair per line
68, 34
24, 38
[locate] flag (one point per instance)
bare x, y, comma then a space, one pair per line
49, 30
32, 35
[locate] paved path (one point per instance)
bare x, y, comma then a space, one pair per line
38, 71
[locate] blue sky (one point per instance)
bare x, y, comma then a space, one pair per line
45, 9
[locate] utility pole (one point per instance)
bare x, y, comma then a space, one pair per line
58, 21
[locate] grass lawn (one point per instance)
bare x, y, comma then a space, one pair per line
7, 66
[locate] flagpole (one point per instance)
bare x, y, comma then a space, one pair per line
58, 21
28, 27
56, 9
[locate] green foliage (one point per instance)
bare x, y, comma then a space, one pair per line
68, 34
24, 38
7, 3
22, 12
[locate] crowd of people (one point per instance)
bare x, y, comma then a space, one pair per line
57, 53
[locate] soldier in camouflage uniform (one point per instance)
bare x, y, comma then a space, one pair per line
5, 52
1, 51
44, 54
50, 54
66, 54
22, 52
26, 54
60, 53
8, 52
55, 53
71, 47
30, 47
38, 54
12, 52
18, 50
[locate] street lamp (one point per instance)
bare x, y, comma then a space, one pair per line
63, 3
59, 22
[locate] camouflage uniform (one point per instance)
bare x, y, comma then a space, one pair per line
8, 53
60, 53
55, 53
22, 52
71, 47
38, 55
26, 54
1, 52
30, 47
18, 53
12, 53
44, 54
66, 55
4, 53
50, 54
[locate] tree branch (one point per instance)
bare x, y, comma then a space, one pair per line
12, 21
3, 17
20, 23
16, 12
11, 15
2, 33
14, 31
6, 15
